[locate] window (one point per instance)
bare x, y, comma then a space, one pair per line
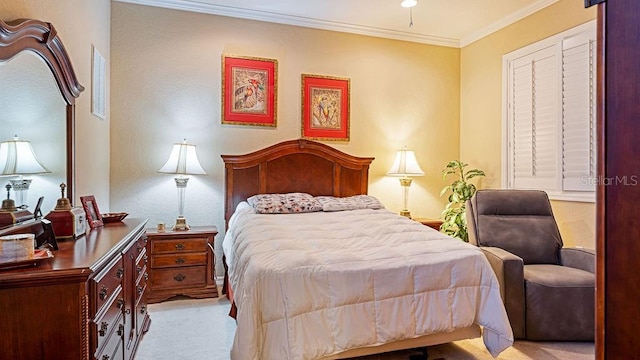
549, 116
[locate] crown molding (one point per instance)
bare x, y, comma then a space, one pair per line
506, 21
205, 8
195, 6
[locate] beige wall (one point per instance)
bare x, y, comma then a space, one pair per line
481, 105
80, 23
166, 87
442, 102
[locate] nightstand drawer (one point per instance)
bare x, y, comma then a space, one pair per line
187, 259
179, 277
179, 245
181, 263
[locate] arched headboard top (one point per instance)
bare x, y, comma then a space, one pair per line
294, 166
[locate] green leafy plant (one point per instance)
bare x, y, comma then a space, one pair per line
461, 190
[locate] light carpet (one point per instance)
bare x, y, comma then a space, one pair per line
201, 330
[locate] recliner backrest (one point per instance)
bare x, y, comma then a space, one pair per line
518, 221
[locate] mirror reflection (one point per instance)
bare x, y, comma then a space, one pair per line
32, 109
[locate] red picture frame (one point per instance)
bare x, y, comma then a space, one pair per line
91, 210
249, 90
325, 107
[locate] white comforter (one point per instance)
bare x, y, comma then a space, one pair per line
311, 285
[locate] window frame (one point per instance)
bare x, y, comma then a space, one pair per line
556, 193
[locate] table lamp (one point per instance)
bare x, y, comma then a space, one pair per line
17, 158
183, 161
405, 165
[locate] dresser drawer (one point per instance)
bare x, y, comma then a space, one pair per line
141, 313
141, 285
179, 245
140, 245
106, 283
108, 322
173, 260
114, 345
179, 277
141, 264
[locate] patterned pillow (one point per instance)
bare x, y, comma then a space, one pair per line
284, 203
330, 203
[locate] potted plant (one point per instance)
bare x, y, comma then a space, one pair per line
454, 216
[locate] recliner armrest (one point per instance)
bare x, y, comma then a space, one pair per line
505, 265
579, 258
509, 270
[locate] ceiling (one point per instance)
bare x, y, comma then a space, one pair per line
454, 23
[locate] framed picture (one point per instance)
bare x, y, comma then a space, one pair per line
325, 107
98, 87
249, 90
91, 209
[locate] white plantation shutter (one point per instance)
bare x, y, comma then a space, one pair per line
533, 118
578, 113
549, 117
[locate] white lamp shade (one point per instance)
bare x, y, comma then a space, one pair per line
183, 160
17, 158
405, 164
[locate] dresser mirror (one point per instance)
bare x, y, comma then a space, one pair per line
37, 104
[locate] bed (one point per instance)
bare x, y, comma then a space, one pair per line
380, 282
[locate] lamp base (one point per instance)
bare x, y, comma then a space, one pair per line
181, 224
406, 213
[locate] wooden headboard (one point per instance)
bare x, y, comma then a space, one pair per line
293, 166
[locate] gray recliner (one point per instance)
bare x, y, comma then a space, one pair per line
548, 290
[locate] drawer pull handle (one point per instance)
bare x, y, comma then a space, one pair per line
103, 293
105, 357
180, 246
179, 277
119, 273
146, 276
145, 258
120, 330
140, 288
139, 269
127, 311
139, 247
103, 328
143, 309
180, 260
120, 303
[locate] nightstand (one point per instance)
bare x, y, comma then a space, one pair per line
432, 223
182, 263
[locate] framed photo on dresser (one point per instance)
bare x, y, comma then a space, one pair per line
94, 219
249, 90
325, 107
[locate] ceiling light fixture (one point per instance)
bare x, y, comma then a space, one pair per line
409, 4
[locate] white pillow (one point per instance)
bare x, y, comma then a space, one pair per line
331, 203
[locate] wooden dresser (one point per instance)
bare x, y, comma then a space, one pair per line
88, 302
182, 263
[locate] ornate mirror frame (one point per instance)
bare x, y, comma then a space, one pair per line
42, 39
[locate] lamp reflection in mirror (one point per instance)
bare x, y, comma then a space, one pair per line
183, 161
405, 165
17, 158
